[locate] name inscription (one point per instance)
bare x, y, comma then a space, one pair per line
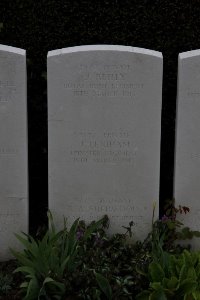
8, 151
107, 147
91, 206
110, 81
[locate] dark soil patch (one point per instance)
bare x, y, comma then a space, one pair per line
9, 281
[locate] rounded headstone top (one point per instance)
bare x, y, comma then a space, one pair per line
104, 48
189, 54
14, 50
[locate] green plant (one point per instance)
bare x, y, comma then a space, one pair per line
178, 279
87, 263
175, 231
168, 231
46, 262
171, 277
107, 265
42, 265
104, 285
167, 274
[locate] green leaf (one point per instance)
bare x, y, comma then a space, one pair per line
70, 239
51, 223
33, 290
192, 274
158, 295
64, 263
196, 295
143, 295
92, 228
183, 271
156, 272
22, 258
196, 233
48, 287
172, 283
47, 280
24, 284
23, 241
25, 269
141, 272
156, 286
51, 281
104, 285
187, 286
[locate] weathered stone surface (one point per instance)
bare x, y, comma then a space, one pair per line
104, 115
187, 154
13, 148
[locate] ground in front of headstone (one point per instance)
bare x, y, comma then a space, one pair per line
9, 282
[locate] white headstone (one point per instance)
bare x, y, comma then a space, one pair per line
13, 148
187, 154
104, 115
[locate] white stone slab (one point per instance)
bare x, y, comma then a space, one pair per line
104, 114
13, 148
187, 154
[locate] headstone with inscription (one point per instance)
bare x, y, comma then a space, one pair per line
13, 148
104, 115
187, 154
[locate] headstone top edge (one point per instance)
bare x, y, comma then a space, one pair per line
12, 49
189, 54
86, 48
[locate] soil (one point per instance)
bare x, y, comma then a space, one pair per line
7, 268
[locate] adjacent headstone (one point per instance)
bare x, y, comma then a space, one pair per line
187, 154
13, 148
104, 119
